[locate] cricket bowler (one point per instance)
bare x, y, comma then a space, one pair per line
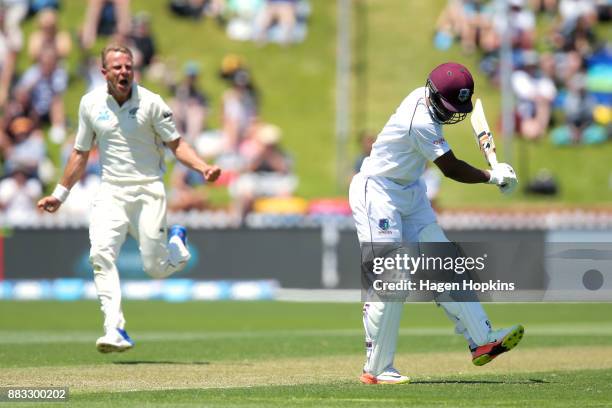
131, 125
389, 204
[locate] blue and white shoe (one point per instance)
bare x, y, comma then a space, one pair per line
177, 246
178, 231
114, 341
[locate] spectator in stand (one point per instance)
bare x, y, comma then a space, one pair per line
48, 36
229, 65
522, 25
37, 6
568, 65
264, 154
91, 70
534, 93
267, 172
462, 19
216, 9
547, 6
18, 196
46, 83
571, 10
575, 31
198, 8
581, 37
23, 147
242, 15
190, 105
184, 192
281, 12
188, 8
12, 13
105, 17
19, 105
142, 39
240, 109
548, 66
578, 109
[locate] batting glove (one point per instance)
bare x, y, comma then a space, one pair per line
509, 187
503, 175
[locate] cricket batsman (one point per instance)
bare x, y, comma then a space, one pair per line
389, 204
132, 126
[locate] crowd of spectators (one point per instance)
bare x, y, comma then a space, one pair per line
33, 116
277, 21
561, 68
560, 80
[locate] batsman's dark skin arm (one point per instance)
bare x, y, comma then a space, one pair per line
458, 170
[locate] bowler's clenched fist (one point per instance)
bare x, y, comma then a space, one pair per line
49, 204
212, 173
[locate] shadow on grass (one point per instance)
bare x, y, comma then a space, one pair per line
528, 381
135, 362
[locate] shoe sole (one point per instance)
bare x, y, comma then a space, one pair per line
370, 379
508, 343
106, 348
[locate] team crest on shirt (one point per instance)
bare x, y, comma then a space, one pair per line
103, 115
439, 142
384, 224
464, 94
132, 112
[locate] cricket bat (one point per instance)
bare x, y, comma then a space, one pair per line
483, 135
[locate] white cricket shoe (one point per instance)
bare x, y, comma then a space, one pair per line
389, 376
177, 246
114, 341
500, 341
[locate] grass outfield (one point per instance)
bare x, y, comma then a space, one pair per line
301, 354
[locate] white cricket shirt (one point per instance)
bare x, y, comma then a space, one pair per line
409, 139
130, 137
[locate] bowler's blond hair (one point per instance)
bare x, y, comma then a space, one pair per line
115, 48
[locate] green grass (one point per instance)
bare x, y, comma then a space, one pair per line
298, 354
578, 389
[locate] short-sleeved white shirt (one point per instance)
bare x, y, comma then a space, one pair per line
409, 139
130, 137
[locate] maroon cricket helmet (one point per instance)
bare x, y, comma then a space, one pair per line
451, 87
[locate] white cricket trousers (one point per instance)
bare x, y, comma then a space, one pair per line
138, 210
385, 211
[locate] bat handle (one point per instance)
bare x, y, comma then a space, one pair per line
492, 159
